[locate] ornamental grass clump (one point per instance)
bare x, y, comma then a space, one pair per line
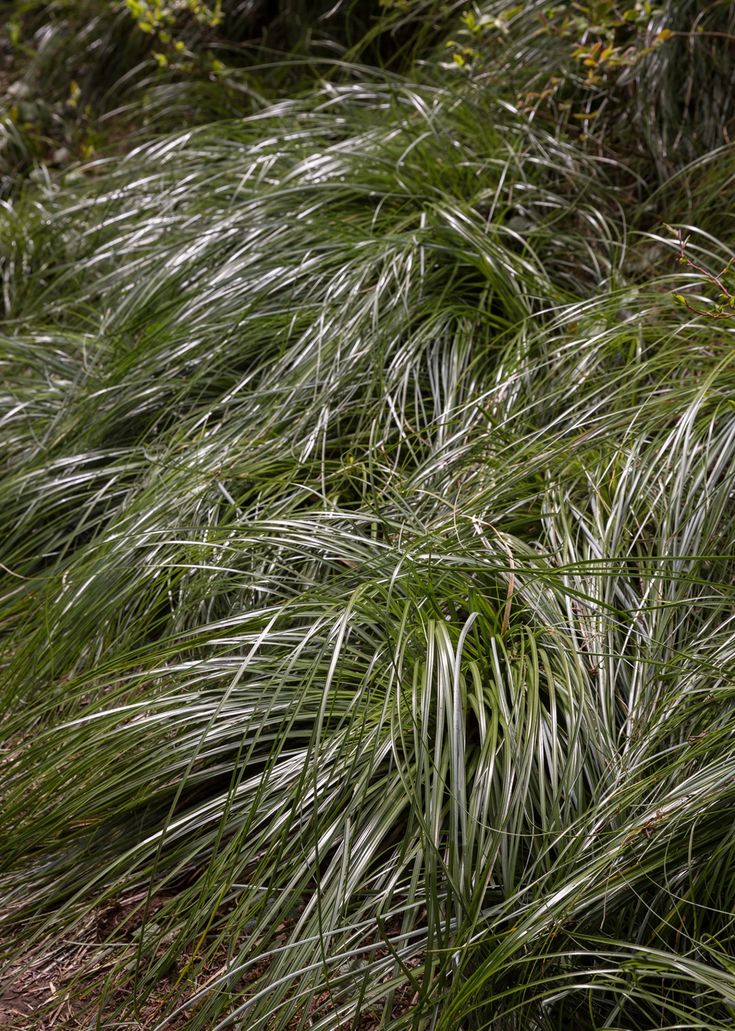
367, 575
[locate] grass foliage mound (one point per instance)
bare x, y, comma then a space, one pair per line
367, 567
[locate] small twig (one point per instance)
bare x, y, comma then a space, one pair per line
720, 311
11, 573
684, 259
695, 35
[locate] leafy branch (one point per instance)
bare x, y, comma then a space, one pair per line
725, 309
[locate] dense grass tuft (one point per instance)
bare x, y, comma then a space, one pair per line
368, 566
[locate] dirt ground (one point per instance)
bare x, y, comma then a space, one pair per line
56, 986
